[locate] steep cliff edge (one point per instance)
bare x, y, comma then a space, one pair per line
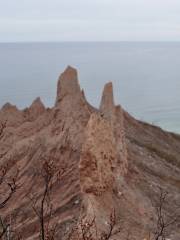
111, 162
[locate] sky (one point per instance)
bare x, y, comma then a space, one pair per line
89, 20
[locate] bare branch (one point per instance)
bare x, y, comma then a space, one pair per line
2, 128
87, 229
42, 206
163, 222
11, 184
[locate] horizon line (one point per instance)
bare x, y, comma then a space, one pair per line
94, 41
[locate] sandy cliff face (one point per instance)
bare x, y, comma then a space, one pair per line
112, 162
98, 157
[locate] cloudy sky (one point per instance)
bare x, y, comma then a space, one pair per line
89, 20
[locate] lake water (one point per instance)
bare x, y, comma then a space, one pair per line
146, 76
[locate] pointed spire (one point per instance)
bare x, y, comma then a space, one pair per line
107, 106
68, 84
37, 108
8, 106
37, 103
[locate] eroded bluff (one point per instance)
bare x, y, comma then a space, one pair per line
113, 165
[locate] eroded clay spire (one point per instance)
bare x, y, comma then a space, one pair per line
8, 106
107, 106
68, 84
37, 108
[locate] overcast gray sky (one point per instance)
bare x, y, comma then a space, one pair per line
89, 20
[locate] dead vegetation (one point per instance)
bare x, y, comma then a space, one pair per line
88, 230
42, 205
164, 223
8, 187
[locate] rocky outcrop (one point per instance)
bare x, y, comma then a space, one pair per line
111, 162
98, 162
107, 106
71, 113
68, 86
36, 109
103, 162
98, 157
114, 115
120, 136
11, 115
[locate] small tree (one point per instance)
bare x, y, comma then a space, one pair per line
43, 207
164, 222
2, 128
87, 229
10, 184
